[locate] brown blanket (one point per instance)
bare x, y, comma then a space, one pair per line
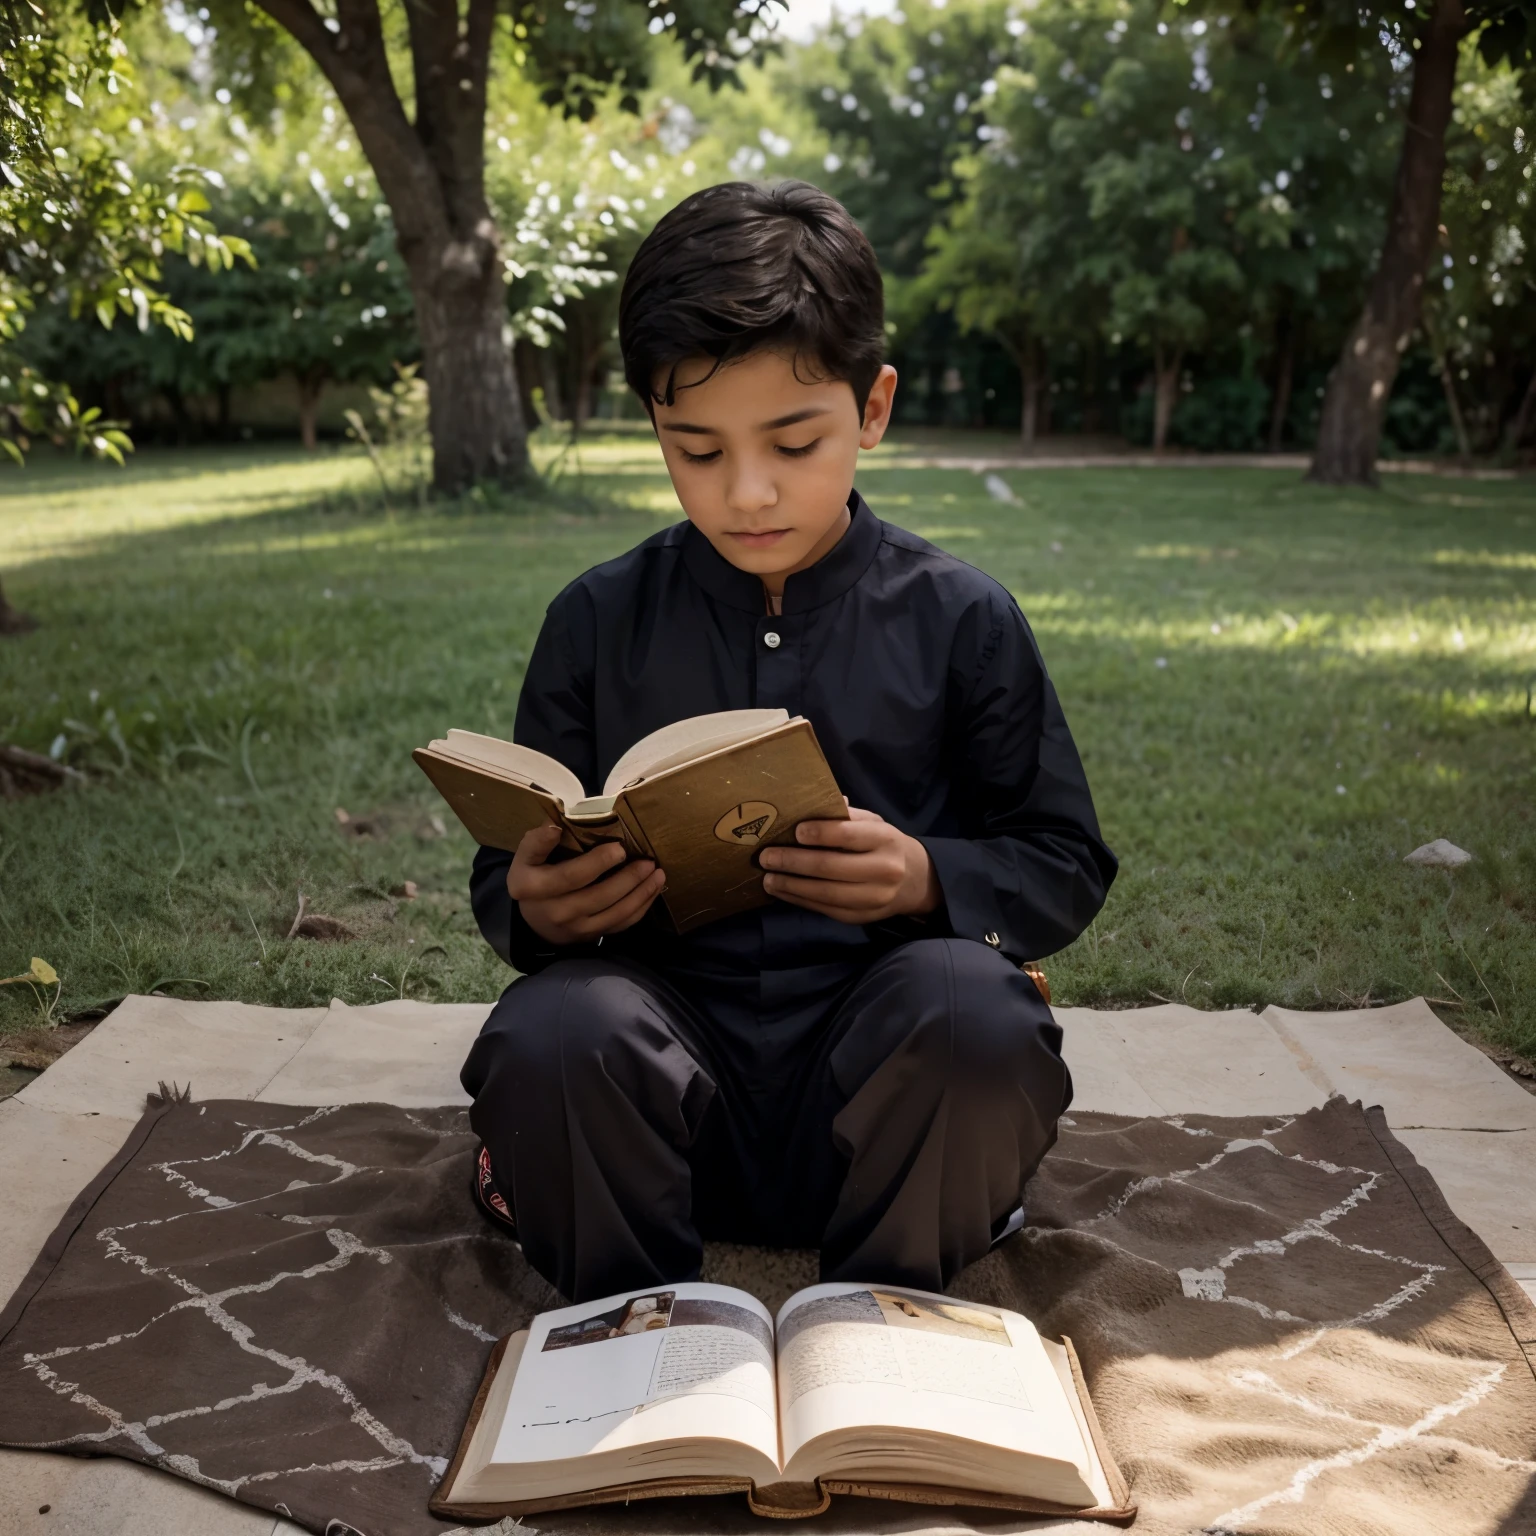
1284, 1328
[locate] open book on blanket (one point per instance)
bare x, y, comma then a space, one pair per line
700, 797
852, 1389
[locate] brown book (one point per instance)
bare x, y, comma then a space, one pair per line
852, 1389
700, 797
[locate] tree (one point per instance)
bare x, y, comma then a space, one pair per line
900, 98
978, 272
1480, 307
75, 222
1163, 183
326, 299
429, 157
1123, 195
329, 295
1424, 36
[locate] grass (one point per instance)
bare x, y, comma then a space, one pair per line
1278, 691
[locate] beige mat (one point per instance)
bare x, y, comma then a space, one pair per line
1283, 1326
1472, 1125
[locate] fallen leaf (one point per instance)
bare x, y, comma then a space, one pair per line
40, 971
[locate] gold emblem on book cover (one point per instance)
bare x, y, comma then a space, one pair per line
747, 824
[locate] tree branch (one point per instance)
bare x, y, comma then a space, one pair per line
452, 63
355, 62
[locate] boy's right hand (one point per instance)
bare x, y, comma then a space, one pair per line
582, 898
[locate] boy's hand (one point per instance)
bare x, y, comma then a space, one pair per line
858, 871
571, 902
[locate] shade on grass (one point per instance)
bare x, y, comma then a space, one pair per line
1279, 691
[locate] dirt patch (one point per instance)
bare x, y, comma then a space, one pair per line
37, 1049
382, 824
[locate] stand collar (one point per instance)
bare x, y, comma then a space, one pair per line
829, 578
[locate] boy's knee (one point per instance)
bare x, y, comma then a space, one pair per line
966, 1010
550, 1023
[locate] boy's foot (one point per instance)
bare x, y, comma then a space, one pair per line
482, 1189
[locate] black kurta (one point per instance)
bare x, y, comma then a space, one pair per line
927, 693
879, 1092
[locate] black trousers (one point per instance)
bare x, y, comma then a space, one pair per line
888, 1116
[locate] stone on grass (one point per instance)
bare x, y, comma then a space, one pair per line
1439, 854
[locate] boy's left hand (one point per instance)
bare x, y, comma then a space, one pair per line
858, 871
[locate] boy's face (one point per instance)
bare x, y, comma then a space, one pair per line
763, 462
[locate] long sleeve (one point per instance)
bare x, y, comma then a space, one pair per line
554, 716
928, 696
1031, 871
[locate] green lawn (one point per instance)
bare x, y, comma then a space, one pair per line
1278, 691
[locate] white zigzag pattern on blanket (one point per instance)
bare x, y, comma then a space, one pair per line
1386, 1437
1209, 1284
212, 1306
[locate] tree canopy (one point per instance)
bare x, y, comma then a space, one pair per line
1158, 219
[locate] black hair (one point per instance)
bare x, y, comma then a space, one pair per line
740, 268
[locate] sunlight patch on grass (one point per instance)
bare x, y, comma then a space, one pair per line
1203, 553
1486, 559
39, 524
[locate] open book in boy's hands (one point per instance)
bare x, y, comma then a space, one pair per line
700, 797
696, 1389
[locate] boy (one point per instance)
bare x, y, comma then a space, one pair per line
860, 1066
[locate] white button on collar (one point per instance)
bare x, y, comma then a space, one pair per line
771, 640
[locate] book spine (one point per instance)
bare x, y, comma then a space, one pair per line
586, 835
635, 840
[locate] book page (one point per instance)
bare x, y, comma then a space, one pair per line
1098, 1480
520, 763
686, 1361
871, 1357
688, 739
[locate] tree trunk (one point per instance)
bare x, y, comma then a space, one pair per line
554, 393
1525, 418
1458, 421
431, 170
1285, 370
12, 620
178, 405
525, 367
1165, 395
1031, 372
1093, 413
472, 406
584, 350
310, 386
1360, 383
